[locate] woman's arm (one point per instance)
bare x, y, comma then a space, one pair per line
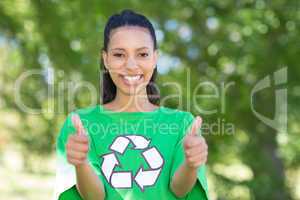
195, 150
184, 180
88, 183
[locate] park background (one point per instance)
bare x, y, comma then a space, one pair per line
239, 41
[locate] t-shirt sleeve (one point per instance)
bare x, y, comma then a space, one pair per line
65, 184
200, 189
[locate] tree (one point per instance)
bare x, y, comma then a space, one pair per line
217, 41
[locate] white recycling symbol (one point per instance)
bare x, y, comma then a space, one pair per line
124, 179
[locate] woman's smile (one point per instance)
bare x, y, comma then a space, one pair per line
132, 80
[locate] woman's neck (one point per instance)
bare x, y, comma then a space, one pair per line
131, 103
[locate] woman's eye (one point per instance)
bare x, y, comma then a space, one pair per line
119, 55
143, 54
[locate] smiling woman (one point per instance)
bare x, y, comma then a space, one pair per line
135, 160
129, 58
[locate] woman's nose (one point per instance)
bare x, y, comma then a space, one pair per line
131, 63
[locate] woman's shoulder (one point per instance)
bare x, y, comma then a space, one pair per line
90, 110
176, 110
182, 118
177, 113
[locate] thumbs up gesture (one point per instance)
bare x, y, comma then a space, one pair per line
195, 147
78, 144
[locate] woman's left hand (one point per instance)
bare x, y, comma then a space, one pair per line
195, 147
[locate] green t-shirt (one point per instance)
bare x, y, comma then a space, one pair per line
135, 154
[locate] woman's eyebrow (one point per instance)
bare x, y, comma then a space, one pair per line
142, 48
117, 49
121, 49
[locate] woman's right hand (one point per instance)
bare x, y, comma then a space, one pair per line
77, 146
88, 183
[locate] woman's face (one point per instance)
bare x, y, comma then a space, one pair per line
130, 58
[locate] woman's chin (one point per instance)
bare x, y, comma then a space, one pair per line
133, 90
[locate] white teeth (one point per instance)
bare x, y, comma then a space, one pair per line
132, 78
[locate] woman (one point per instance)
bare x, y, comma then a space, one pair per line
129, 147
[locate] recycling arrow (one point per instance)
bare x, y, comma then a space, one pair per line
120, 144
153, 158
124, 179
108, 165
121, 180
146, 177
138, 141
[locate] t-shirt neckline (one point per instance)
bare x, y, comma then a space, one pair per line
103, 109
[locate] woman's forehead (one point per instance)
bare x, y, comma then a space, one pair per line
130, 37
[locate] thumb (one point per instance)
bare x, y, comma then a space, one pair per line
196, 126
78, 124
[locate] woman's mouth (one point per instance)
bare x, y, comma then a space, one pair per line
132, 79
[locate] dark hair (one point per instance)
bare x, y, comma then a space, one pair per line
126, 18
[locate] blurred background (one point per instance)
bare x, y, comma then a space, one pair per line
245, 52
